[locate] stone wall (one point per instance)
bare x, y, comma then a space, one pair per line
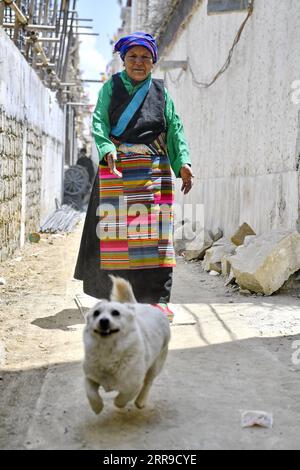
31, 149
10, 184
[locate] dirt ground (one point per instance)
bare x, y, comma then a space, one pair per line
228, 354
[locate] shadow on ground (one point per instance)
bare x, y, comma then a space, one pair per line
196, 403
61, 321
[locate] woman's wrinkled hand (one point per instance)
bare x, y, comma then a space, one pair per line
187, 176
111, 159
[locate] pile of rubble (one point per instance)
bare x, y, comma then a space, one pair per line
258, 264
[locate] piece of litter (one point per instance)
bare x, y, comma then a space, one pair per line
214, 273
257, 418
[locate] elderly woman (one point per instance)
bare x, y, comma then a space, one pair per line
129, 225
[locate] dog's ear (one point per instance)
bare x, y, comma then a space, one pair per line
122, 291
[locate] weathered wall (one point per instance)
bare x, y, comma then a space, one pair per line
244, 130
31, 149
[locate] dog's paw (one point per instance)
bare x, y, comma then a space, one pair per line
140, 404
97, 406
120, 402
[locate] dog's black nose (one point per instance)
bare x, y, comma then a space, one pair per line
104, 323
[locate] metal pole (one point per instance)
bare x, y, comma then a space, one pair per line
91, 81
17, 23
70, 35
57, 33
86, 34
52, 40
78, 104
31, 27
46, 12
31, 10
64, 9
2, 9
22, 18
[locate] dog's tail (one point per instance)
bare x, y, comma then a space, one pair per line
122, 291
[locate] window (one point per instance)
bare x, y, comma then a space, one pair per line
225, 6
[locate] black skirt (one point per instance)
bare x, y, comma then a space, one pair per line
149, 285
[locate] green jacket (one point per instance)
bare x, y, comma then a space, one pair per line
177, 146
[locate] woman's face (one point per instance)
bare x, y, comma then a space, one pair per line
138, 63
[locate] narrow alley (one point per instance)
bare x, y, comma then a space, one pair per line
228, 354
136, 136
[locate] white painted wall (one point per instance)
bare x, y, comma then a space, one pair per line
26, 99
244, 130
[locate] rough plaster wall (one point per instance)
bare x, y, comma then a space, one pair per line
28, 112
10, 184
34, 151
243, 131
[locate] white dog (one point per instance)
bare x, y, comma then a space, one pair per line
126, 345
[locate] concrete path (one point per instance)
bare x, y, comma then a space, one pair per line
228, 354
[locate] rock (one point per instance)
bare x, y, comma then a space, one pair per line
182, 235
197, 248
245, 292
292, 284
215, 236
195, 243
267, 261
231, 280
235, 288
214, 273
214, 256
2, 281
248, 240
225, 265
239, 237
223, 242
217, 267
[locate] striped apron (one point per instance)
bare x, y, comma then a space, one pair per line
136, 211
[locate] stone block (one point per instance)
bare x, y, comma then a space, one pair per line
226, 265
267, 261
239, 237
213, 257
182, 235
196, 249
217, 235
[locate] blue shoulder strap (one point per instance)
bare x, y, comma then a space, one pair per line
131, 109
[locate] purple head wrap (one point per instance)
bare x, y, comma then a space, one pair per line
137, 39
